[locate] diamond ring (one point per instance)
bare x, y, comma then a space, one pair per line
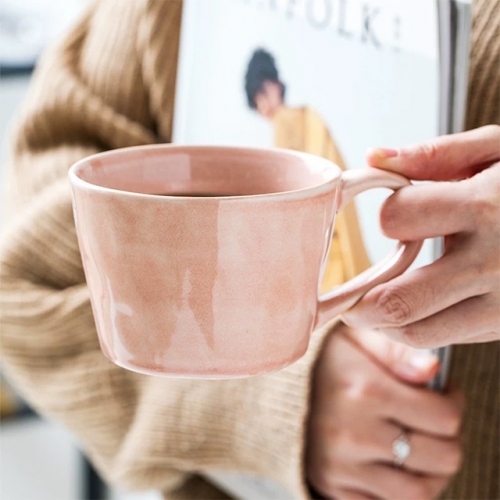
401, 449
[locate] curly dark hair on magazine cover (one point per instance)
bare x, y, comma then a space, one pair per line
261, 68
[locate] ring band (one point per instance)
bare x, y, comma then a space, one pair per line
401, 449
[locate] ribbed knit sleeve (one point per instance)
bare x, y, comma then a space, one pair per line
476, 368
484, 68
110, 84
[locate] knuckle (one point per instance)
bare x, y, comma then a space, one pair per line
348, 441
366, 390
394, 306
413, 337
428, 151
483, 204
341, 440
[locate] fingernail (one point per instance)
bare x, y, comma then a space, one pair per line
420, 365
387, 152
422, 361
381, 154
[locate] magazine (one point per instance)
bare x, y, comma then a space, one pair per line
329, 77
455, 23
366, 73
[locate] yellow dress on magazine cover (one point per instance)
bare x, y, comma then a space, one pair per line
303, 129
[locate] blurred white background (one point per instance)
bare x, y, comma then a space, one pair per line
27, 26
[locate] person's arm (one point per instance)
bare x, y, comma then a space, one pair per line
455, 300
109, 85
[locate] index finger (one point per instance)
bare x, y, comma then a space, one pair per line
449, 157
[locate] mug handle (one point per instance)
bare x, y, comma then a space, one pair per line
343, 297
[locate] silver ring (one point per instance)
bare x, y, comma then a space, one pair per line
401, 449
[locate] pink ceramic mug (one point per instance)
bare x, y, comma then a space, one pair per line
223, 281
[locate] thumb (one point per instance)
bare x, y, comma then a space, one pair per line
445, 158
405, 362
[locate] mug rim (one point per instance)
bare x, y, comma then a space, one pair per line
306, 192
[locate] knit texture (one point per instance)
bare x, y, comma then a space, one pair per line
111, 84
477, 367
484, 65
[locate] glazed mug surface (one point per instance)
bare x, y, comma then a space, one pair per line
206, 261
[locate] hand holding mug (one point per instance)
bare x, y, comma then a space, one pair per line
457, 298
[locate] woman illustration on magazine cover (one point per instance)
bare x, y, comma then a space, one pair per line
302, 129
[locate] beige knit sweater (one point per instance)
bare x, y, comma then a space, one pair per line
110, 84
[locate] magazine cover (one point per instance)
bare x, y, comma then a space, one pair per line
329, 77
